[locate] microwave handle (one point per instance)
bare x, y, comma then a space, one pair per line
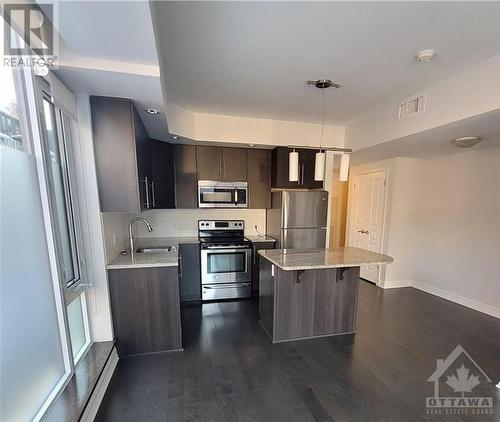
236, 196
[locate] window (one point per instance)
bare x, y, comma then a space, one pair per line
44, 327
34, 362
10, 114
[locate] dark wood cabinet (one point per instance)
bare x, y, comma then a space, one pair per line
234, 164
280, 164
162, 175
226, 164
186, 181
146, 309
257, 246
209, 163
121, 155
259, 178
307, 163
189, 272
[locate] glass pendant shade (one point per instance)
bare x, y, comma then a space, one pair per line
293, 166
319, 166
344, 167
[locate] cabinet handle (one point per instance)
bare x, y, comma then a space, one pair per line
153, 193
179, 260
302, 174
221, 175
146, 183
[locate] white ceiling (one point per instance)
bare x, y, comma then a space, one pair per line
109, 30
437, 141
108, 48
252, 58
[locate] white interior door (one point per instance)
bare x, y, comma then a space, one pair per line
367, 217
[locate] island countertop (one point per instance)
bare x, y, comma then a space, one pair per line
313, 259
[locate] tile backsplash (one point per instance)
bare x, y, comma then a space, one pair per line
173, 223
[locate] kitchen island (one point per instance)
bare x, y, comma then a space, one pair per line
311, 293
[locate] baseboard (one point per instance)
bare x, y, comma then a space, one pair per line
396, 284
100, 389
461, 300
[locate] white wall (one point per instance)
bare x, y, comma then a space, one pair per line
469, 93
98, 294
457, 251
245, 130
173, 223
443, 226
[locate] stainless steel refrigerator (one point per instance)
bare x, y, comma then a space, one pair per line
297, 219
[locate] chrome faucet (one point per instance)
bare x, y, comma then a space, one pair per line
130, 235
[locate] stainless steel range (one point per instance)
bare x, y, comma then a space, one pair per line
226, 260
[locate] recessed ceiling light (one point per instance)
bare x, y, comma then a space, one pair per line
151, 110
251, 145
425, 56
174, 137
466, 141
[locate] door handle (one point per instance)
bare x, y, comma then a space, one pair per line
363, 231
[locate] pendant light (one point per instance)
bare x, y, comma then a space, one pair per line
344, 167
293, 166
319, 162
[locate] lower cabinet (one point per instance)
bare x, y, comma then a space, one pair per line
145, 306
256, 246
189, 272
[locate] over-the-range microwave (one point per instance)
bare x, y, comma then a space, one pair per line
214, 194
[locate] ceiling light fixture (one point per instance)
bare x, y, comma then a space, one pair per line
151, 110
425, 56
174, 137
466, 141
320, 158
251, 145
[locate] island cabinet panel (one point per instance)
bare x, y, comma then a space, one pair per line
266, 297
308, 303
146, 309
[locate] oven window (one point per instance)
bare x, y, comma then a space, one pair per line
217, 196
231, 262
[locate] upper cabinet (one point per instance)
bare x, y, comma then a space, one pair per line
122, 157
280, 165
162, 174
259, 178
186, 180
234, 164
217, 163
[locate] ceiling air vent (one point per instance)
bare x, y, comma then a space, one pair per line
412, 105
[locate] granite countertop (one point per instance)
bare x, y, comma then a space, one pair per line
160, 259
144, 260
312, 259
148, 260
260, 238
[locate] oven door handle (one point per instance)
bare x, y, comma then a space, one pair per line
227, 286
227, 248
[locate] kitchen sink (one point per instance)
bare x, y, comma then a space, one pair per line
156, 249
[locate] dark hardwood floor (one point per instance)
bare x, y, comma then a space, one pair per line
230, 371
